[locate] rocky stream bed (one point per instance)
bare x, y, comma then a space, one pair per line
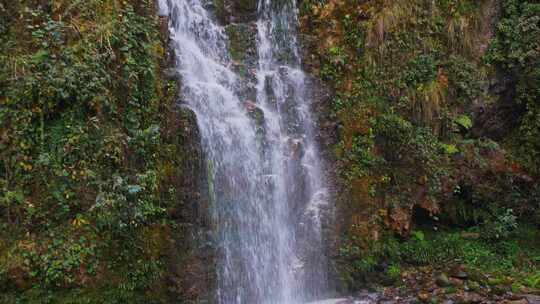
453, 286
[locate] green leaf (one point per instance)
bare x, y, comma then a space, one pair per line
418, 236
450, 149
464, 121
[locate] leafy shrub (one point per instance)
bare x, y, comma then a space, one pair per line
515, 52
393, 271
533, 280
520, 253
81, 116
464, 79
421, 69
336, 59
464, 122
406, 146
500, 226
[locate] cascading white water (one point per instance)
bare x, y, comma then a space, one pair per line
281, 93
266, 187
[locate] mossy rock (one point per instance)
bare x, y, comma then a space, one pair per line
242, 42
236, 11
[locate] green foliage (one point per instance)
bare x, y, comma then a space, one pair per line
421, 251
354, 34
408, 77
464, 79
464, 122
418, 236
420, 70
500, 226
82, 109
513, 256
449, 149
337, 59
361, 265
515, 50
533, 280
407, 146
393, 271
61, 261
53, 113
457, 7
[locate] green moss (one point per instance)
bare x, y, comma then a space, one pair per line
241, 42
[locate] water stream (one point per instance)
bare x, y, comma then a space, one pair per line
265, 178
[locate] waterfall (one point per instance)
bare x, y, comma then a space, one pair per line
264, 174
282, 94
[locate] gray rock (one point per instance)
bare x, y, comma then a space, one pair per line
442, 280
335, 301
532, 299
522, 301
459, 273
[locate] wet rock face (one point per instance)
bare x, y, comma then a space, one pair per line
190, 259
242, 40
235, 11
192, 251
496, 120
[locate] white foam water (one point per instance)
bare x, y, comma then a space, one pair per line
266, 191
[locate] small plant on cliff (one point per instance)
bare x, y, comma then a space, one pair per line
421, 69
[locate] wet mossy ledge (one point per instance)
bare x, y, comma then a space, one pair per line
433, 107
101, 192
